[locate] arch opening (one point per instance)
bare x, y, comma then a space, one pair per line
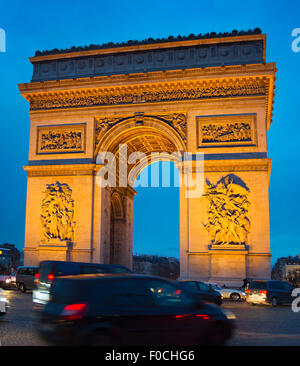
153, 152
156, 237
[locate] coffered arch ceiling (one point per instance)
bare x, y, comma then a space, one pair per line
151, 141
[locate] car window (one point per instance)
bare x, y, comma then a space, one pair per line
20, 271
31, 271
125, 293
167, 294
288, 286
278, 285
203, 286
45, 269
68, 291
215, 287
93, 269
191, 285
63, 269
121, 270
259, 285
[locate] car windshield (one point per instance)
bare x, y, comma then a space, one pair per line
168, 294
215, 287
257, 285
121, 270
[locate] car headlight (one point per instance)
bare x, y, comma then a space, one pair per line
229, 314
8, 280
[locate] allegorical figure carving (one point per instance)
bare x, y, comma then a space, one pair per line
58, 212
227, 221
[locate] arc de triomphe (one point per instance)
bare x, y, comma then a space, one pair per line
208, 95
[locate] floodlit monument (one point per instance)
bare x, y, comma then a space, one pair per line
208, 95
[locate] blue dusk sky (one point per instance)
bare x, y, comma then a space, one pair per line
44, 25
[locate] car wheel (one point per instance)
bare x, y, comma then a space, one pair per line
22, 287
274, 302
100, 339
235, 297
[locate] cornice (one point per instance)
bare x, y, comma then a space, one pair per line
184, 85
207, 73
238, 165
61, 170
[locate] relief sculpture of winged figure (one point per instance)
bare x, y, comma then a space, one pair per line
227, 220
58, 212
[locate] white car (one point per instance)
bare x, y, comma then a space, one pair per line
3, 302
229, 293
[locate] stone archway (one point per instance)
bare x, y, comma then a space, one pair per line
155, 139
202, 95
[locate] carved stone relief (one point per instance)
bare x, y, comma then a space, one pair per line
57, 139
227, 216
57, 216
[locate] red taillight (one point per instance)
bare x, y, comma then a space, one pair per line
202, 316
263, 292
50, 276
248, 291
74, 311
36, 278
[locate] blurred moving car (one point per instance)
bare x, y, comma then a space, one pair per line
229, 293
3, 303
7, 281
269, 292
129, 309
204, 291
48, 270
25, 277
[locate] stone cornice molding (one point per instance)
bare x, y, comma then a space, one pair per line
61, 170
58, 97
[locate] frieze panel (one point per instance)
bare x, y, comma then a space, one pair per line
218, 131
167, 92
61, 139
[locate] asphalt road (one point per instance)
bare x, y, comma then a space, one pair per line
256, 325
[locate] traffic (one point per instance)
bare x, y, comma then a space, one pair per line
105, 305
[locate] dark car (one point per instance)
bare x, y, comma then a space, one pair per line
203, 291
48, 270
269, 292
25, 277
115, 309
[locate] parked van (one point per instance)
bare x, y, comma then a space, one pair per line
49, 270
25, 277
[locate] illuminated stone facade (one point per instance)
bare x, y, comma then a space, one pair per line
209, 95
